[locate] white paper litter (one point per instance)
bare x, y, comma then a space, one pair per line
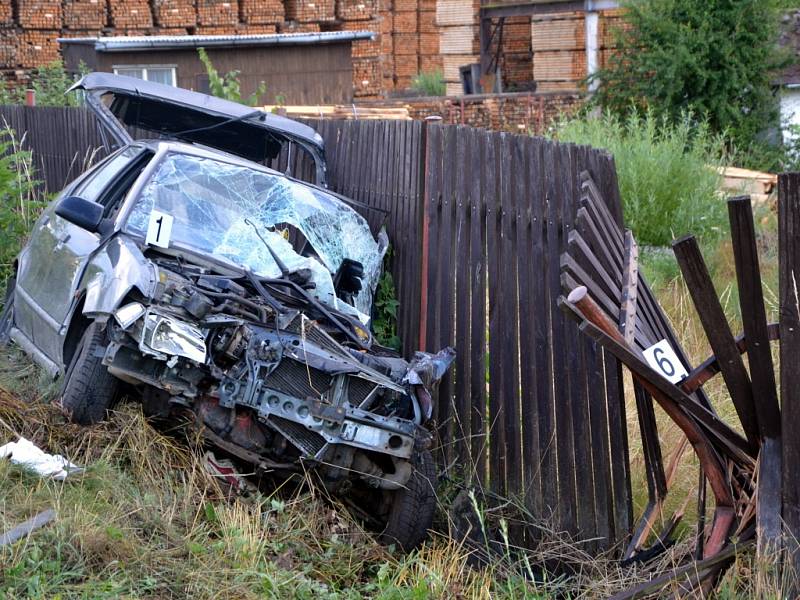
27, 454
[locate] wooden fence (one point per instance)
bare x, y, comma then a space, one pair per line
477, 221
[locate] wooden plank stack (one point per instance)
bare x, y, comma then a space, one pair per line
310, 11
366, 55
356, 10
217, 13
130, 14
262, 12
6, 14
456, 21
36, 47
86, 14
611, 22
558, 42
39, 14
430, 60
516, 61
174, 13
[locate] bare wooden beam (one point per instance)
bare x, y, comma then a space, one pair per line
789, 274
719, 335
762, 373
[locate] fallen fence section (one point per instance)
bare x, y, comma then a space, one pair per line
478, 222
615, 308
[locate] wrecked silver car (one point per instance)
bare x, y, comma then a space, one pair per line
220, 289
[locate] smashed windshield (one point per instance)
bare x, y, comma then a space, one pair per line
209, 201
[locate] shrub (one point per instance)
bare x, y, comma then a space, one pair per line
20, 203
666, 172
430, 83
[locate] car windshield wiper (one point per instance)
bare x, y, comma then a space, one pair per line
281, 265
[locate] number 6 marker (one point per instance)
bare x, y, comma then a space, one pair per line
663, 359
159, 229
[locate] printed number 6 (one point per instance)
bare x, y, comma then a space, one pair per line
663, 363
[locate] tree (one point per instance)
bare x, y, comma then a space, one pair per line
714, 59
227, 86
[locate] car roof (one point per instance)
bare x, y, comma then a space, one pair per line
182, 99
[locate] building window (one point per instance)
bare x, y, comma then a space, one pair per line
158, 74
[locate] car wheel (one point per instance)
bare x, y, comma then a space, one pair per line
7, 314
89, 389
412, 507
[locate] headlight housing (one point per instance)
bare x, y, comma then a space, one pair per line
163, 334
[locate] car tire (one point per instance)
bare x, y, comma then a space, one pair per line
412, 507
89, 390
7, 314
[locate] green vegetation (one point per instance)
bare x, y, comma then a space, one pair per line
384, 321
20, 203
50, 82
714, 59
666, 172
227, 86
429, 83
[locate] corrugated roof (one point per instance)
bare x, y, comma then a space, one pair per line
167, 42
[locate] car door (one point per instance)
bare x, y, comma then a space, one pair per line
56, 255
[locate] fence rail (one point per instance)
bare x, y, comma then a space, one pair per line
478, 222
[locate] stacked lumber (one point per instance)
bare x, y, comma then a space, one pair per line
456, 23
610, 25
39, 14
405, 42
516, 56
85, 14
367, 65
37, 47
756, 184
238, 29
339, 111
262, 12
430, 59
310, 11
174, 13
295, 27
356, 10
8, 47
6, 14
217, 13
558, 42
130, 14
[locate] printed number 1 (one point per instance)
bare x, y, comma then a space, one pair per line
160, 220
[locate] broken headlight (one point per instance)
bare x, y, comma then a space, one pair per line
166, 335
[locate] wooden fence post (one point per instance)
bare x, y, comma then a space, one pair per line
789, 261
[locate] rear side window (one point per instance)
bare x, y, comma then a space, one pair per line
92, 188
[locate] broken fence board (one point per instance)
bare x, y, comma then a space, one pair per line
789, 275
715, 325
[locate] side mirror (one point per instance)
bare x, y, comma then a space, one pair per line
84, 213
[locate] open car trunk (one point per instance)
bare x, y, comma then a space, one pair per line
176, 113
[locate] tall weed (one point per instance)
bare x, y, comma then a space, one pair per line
666, 171
20, 201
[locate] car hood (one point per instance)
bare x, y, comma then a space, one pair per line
193, 117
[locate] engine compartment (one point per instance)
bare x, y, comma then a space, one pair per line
272, 375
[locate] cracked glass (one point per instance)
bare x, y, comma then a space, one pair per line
209, 201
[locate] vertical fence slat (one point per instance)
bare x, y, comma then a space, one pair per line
789, 274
